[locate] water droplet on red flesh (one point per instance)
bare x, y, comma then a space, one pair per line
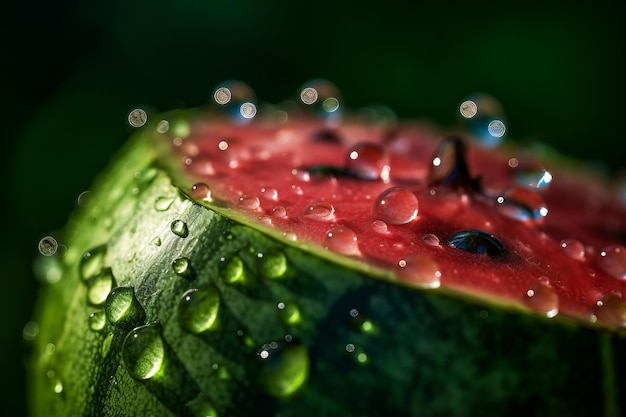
579, 208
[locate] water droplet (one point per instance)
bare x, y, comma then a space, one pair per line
320, 211
380, 227
156, 241
163, 203
341, 239
449, 166
163, 126
269, 193
97, 320
201, 191
179, 228
280, 368
521, 203
137, 117
574, 249
289, 312
396, 206
99, 286
322, 99
292, 236
92, 262
611, 309
122, 308
533, 178
484, 118
543, 298
182, 267
272, 264
30, 331
48, 246
143, 351
232, 270
280, 212
237, 100
249, 202
198, 309
430, 239
476, 241
612, 259
420, 270
368, 161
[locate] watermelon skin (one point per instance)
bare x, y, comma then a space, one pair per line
427, 353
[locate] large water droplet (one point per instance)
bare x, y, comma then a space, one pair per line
430, 239
521, 203
198, 309
143, 351
484, 118
380, 227
322, 99
272, 264
476, 241
611, 309
368, 161
396, 206
99, 286
543, 298
163, 203
321, 211
201, 191
612, 259
122, 308
249, 202
182, 267
232, 270
97, 320
92, 262
280, 368
237, 100
449, 166
420, 270
341, 239
179, 228
48, 246
574, 249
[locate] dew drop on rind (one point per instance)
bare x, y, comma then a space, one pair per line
272, 264
430, 239
232, 270
574, 249
122, 307
201, 191
198, 309
163, 203
97, 320
521, 203
320, 211
280, 212
92, 262
341, 239
143, 351
611, 309
179, 228
48, 246
396, 206
476, 241
542, 298
182, 267
99, 286
280, 368
368, 161
612, 259
420, 270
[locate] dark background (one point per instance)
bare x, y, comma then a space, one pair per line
73, 69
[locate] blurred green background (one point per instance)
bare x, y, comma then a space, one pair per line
73, 69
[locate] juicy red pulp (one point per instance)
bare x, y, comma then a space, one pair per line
331, 188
